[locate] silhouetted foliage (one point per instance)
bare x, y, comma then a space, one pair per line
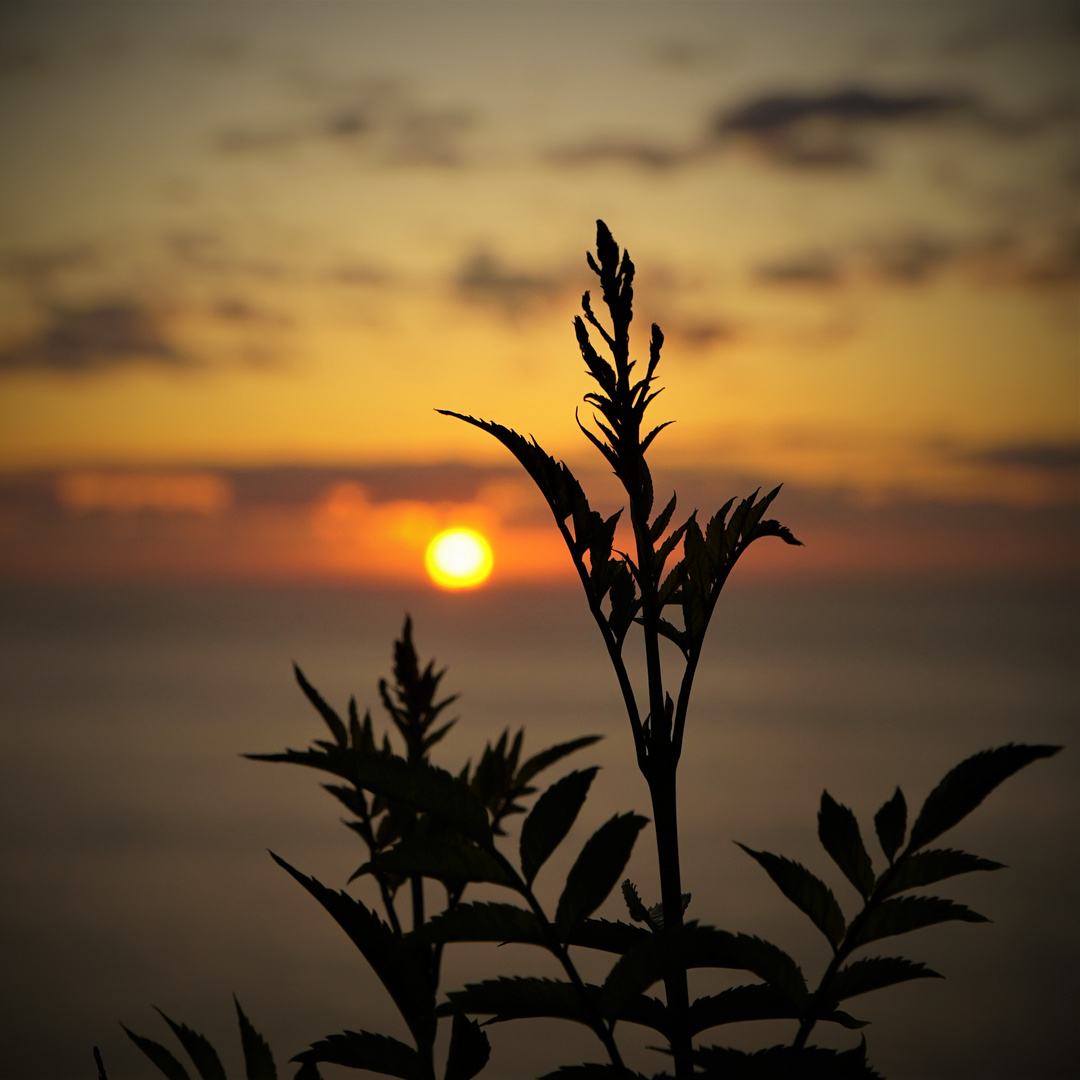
420, 823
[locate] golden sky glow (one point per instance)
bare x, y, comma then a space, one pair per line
240, 235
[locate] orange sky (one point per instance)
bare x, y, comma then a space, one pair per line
237, 241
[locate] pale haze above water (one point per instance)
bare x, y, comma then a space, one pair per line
135, 847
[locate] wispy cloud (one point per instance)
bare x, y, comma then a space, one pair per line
94, 338
484, 278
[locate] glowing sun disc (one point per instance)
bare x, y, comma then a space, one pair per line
459, 559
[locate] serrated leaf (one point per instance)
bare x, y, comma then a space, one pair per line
606, 936
906, 913
402, 966
203, 1056
964, 787
367, 1050
694, 946
597, 870
469, 1049
873, 973
330, 717
551, 819
482, 922
757, 1001
935, 864
546, 758
785, 1063
839, 834
890, 822
258, 1058
161, 1057
806, 891
517, 999
425, 787
442, 860
656, 529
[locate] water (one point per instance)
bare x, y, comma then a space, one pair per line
134, 852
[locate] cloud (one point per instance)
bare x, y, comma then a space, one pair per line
802, 268
483, 278
808, 129
377, 119
81, 340
132, 492
1041, 457
629, 151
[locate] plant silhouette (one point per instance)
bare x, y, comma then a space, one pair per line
419, 823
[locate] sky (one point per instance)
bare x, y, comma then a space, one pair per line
249, 242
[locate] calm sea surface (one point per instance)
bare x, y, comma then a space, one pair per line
134, 840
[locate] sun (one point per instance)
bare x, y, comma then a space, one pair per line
459, 559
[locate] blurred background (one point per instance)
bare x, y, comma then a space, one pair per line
248, 248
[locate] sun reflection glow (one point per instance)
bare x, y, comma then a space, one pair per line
459, 559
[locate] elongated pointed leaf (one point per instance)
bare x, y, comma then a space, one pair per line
367, 1050
333, 721
694, 946
443, 860
469, 1049
519, 998
258, 1059
757, 1001
203, 1056
402, 966
161, 1057
873, 973
839, 834
597, 870
551, 819
964, 787
891, 824
905, 913
546, 758
806, 891
935, 864
607, 936
482, 922
786, 1063
426, 788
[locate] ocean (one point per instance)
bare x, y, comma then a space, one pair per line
134, 851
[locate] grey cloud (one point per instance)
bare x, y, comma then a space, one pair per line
1045, 457
804, 268
83, 340
37, 270
206, 249
378, 118
485, 279
637, 152
808, 129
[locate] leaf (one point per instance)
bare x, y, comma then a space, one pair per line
469, 1049
482, 922
606, 936
656, 529
402, 966
519, 998
873, 973
538, 762
785, 1063
638, 911
551, 819
964, 787
161, 1057
424, 787
367, 1050
806, 891
443, 860
101, 1074
597, 870
839, 834
899, 916
935, 864
757, 1001
694, 946
258, 1059
202, 1054
331, 718
891, 824
592, 1071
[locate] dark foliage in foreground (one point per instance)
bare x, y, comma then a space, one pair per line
425, 827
